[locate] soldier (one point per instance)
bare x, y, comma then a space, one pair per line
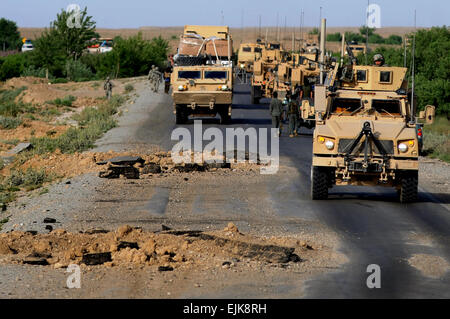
378, 60
156, 79
108, 88
151, 75
293, 116
276, 110
167, 73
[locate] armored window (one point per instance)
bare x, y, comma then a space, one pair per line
361, 75
247, 49
387, 107
274, 46
345, 106
385, 77
216, 74
258, 50
189, 74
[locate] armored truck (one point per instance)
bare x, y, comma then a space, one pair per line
366, 131
202, 77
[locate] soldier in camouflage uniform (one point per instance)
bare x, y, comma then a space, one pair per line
151, 75
108, 88
156, 79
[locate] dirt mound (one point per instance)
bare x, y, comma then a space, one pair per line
132, 246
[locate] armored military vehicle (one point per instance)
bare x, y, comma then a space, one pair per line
202, 77
263, 78
366, 131
248, 54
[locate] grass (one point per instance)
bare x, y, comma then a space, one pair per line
9, 123
66, 101
93, 123
436, 142
2, 222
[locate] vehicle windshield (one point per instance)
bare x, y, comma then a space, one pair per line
258, 50
215, 74
387, 107
189, 74
247, 49
342, 106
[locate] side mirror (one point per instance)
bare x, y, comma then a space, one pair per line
428, 114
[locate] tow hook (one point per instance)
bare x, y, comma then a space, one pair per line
384, 176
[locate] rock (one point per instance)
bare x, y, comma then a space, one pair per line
126, 244
18, 149
231, 228
5, 249
31, 260
164, 227
96, 258
49, 228
124, 230
49, 220
165, 268
149, 247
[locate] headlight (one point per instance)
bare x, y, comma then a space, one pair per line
402, 147
224, 87
242, 66
182, 88
329, 145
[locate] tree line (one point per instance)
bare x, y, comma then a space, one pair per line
60, 53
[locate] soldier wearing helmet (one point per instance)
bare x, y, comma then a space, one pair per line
378, 60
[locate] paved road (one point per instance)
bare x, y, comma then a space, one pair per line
375, 228
372, 227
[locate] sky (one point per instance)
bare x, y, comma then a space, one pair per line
235, 13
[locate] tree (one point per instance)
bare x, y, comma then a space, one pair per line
73, 39
364, 30
49, 53
9, 35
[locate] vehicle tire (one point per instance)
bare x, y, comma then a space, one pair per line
319, 183
254, 100
185, 60
181, 115
224, 117
408, 187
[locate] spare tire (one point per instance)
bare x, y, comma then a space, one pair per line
184, 60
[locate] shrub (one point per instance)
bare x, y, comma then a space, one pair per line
29, 179
34, 71
75, 70
66, 101
129, 88
9, 122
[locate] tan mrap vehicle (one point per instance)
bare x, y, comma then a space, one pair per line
247, 55
202, 84
202, 90
365, 131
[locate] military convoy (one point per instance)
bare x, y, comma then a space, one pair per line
365, 131
202, 77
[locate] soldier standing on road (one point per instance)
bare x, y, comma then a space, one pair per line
156, 79
108, 88
276, 110
293, 116
151, 75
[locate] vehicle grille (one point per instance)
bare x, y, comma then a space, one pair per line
344, 146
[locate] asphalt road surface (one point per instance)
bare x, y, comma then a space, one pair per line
374, 227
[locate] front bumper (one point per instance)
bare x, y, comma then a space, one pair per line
203, 98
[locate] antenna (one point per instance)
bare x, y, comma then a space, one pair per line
367, 30
222, 21
259, 20
413, 69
